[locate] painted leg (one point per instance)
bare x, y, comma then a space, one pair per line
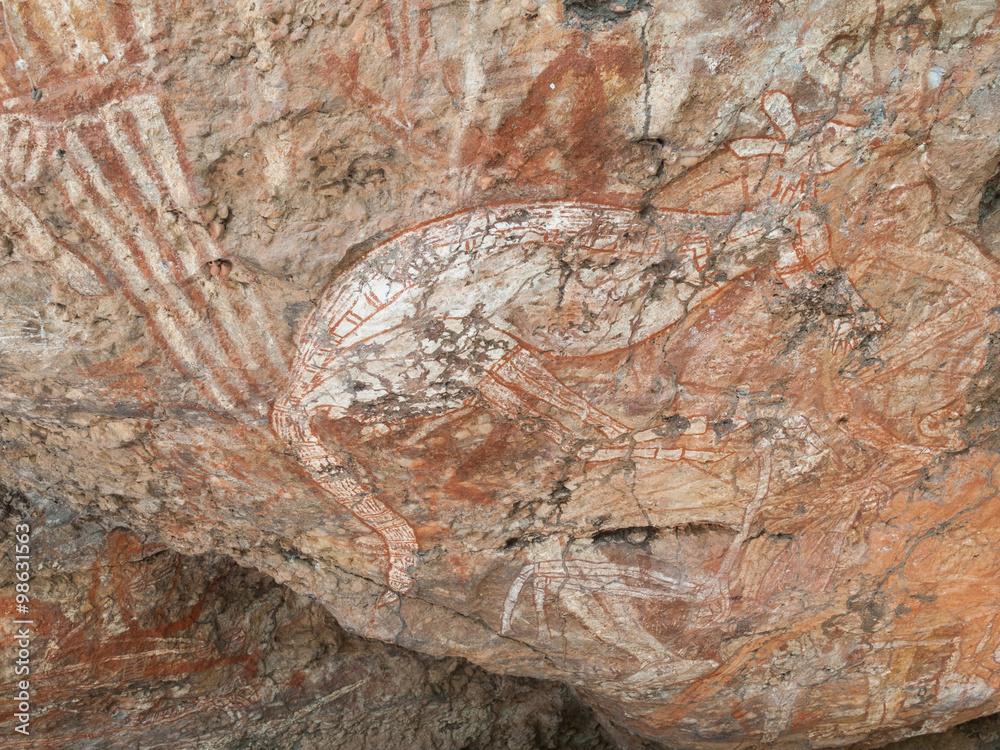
622, 632
508, 403
522, 371
719, 589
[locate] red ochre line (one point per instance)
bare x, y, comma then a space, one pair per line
200, 243
141, 265
13, 136
118, 179
513, 207
64, 246
131, 195
173, 127
129, 129
520, 401
137, 302
560, 402
139, 258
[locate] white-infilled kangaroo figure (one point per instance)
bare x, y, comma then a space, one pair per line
471, 306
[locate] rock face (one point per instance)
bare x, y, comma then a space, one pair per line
974, 735
137, 646
646, 347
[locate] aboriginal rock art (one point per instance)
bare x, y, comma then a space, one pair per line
699, 437
780, 185
443, 315
598, 594
117, 162
798, 158
465, 309
548, 578
122, 176
606, 278
469, 307
576, 584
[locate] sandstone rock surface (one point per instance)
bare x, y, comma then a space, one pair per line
137, 646
645, 347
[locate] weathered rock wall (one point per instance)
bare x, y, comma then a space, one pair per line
649, 347
137, 646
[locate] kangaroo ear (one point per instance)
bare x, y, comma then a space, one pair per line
779, 110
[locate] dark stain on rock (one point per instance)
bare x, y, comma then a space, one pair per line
592, 12
673, 426
982, 419
871, 609
989, 214
635, 535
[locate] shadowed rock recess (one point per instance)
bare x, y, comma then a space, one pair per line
139, 646
533, 374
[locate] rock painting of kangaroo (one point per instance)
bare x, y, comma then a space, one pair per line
471, 306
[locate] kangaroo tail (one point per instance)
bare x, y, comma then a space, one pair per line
293, 425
